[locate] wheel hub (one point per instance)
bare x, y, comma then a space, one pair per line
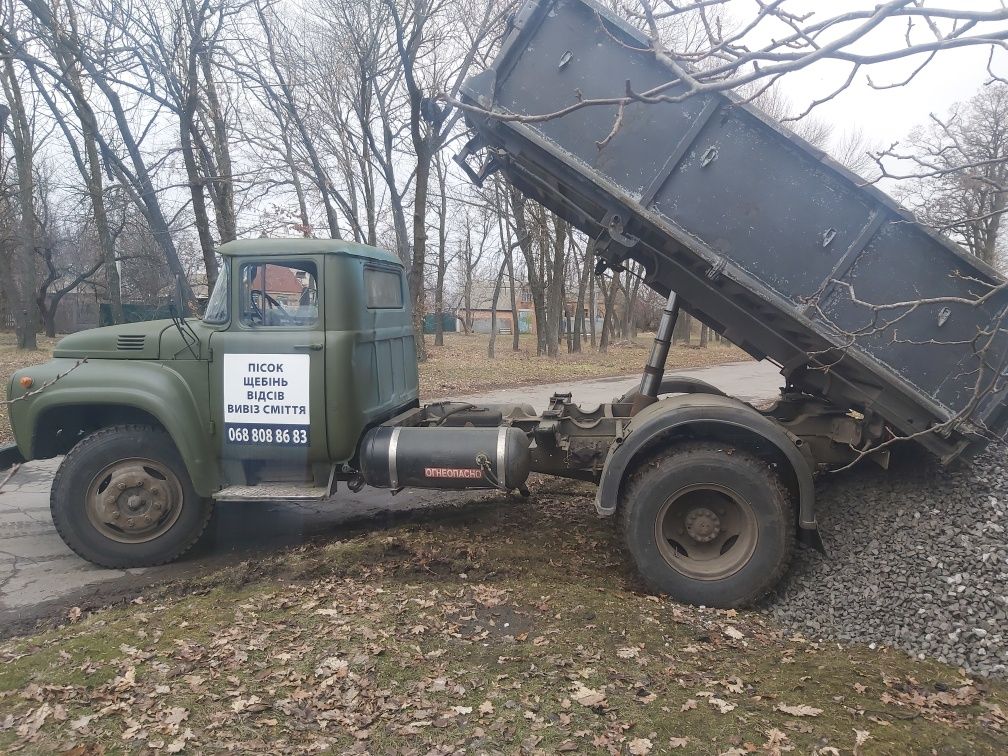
702, 525
706, 531
134, 500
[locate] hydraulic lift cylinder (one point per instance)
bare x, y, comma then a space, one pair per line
654, 370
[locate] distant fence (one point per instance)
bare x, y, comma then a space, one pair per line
449, 323
136, 313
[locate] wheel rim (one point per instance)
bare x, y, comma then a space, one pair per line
134, 500
706, 531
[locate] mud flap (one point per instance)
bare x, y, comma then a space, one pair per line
811, 537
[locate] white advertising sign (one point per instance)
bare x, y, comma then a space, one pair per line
267, 399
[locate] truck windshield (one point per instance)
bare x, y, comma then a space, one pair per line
217, 305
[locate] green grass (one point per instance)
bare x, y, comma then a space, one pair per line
393, 640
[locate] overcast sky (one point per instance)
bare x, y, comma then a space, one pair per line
886, 115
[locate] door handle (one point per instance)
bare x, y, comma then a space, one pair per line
310, 347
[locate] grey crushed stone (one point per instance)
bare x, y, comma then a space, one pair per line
918, 560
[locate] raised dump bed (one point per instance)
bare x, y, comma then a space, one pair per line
765, 238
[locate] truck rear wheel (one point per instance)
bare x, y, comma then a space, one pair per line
123, 498
708, 523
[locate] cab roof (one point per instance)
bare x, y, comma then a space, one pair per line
283, 247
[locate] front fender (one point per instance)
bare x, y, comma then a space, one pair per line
154, 388
703, 416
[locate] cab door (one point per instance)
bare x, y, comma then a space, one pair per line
267, 368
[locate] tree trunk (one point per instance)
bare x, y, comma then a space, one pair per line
609, 293
441, 264
416, 276
200, 215
22, 287
504, 229
113, 284
989, 250
555, 294
493, 311
535, 281
579, 316
515, 323
569, 331
683, 331
306, 227
223, 182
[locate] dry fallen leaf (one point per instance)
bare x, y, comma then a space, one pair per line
777, 742
175, 716
81, 723
690, 704
721, 705
860, 736
640, 746
627, 653
678, 742
587, 696
732, 633
801, 710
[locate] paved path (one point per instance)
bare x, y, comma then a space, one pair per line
40, 576
750, 381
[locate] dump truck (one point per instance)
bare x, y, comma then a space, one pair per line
301, 376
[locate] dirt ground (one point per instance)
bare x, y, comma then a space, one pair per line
501, 625
461, 366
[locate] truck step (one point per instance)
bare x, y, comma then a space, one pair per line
273, 492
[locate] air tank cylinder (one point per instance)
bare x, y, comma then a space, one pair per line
453, 458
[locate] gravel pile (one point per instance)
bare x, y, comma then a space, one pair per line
918, 561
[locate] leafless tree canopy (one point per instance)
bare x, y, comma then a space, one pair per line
138, 135
953, 171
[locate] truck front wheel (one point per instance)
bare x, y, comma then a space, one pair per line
708, 523
122, 498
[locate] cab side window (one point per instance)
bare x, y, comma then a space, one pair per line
384, 289
283, 294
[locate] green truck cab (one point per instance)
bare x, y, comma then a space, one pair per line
305, 343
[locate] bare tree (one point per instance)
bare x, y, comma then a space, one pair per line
58, 26
19, 279
70, 256
85, 158
176, 43
953, 171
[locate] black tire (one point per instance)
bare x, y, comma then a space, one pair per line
666, 493
119, 450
